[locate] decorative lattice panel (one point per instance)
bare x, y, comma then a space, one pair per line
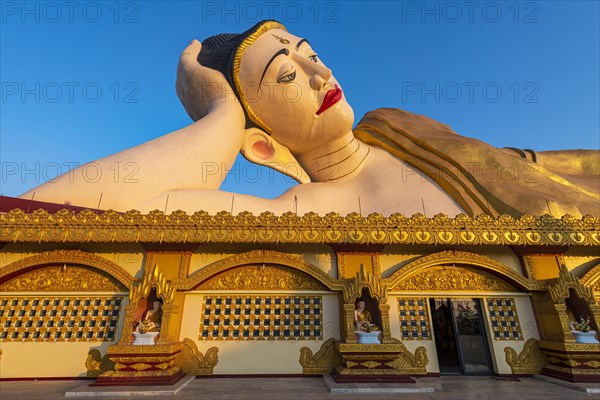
414, 318
263, 317
59, 318
504, 320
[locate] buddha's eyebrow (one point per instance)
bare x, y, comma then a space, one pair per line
280, 52
300, 43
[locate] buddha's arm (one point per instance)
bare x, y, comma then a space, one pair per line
572, 162
195, 157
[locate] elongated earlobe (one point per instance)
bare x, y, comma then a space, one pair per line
260, 148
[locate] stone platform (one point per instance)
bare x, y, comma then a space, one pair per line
371, 388
129, 391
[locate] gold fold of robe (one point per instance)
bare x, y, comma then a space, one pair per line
485, 179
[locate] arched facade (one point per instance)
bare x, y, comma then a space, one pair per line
260, 257
89, 261
260, 305
59, 304
460, 260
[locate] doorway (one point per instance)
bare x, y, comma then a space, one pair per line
460, 338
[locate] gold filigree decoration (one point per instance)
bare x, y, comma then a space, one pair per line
132, 375
593, 364
567, 281
323, 361
530, 361
258, 257
200, 227
262, 277
97, 364
140, 366
154, 279
592, 278
365, 280
64, 278
454, 278
193, 362
69, 258
409, 363
472, 262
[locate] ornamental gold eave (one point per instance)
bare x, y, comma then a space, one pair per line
224, 227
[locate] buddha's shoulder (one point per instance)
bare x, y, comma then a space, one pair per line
398, 119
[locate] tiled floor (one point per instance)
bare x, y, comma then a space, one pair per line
306, 388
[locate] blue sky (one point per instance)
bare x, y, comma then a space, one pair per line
85, 80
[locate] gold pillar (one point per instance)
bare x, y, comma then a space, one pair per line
384, 309
128, 324
350, 336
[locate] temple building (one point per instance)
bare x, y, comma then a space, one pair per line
131, 298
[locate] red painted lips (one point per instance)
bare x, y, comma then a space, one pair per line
331, 97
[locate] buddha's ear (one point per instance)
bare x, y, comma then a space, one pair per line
260, 148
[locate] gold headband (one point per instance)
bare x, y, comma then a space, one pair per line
267, 26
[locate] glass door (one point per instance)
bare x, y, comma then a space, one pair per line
445, 339
470, 337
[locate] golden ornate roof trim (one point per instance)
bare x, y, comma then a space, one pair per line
201, 227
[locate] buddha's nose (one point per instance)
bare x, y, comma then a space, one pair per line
319, 78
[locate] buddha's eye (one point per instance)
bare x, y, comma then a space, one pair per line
287, 78
313, 58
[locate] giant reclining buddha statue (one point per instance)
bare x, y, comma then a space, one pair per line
236, 88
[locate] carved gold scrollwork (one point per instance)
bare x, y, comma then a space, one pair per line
487, 270
567, 281
409, 363
282, 261
154, 279
365, 280
97, 364
193, 362
64, 278
454, 278
71, 258
592, 279
200, 227
530, 361
323, 361
262, 277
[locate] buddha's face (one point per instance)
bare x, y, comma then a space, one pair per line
293, 93
156, 305
361, 305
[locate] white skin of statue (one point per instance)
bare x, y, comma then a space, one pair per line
186, 165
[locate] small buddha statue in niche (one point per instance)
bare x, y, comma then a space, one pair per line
363, 319
151, 320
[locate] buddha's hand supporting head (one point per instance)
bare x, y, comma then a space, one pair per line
201, 89
291, 100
